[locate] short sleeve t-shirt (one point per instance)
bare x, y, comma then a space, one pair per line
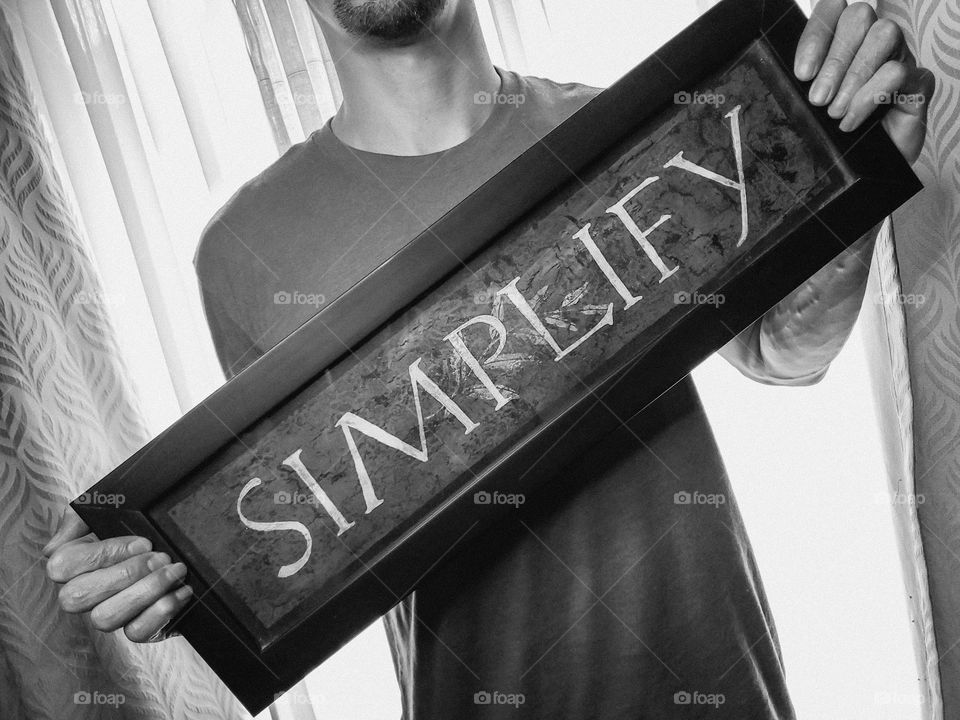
608, 598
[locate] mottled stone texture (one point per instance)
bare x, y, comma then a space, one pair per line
566, 288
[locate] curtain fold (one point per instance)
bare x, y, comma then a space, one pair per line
927, 309
67, 416
293, 66
884, 330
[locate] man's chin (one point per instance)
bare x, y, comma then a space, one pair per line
390, 22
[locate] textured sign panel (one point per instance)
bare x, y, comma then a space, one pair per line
312, 491
282, 519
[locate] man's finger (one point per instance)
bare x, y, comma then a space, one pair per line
71, 528
915, 93
882, 43
118, 610
816, 38
907, 120
85, 592
148, 625
886, 82
78, 557
852, 29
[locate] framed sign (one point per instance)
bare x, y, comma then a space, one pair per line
309, 494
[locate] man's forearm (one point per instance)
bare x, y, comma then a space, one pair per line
805, 331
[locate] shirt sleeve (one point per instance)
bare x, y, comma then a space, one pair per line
235, 348
745, 353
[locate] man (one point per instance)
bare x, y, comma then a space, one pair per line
614, 601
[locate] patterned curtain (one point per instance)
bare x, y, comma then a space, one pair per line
916, 345
66, 418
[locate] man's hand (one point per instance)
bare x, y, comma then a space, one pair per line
118, 581
857, 63
861, 62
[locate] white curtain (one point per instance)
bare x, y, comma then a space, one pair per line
67, 416
160, 109
157, 120
154, 116
923, 425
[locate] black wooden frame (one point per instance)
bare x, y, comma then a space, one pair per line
879, 181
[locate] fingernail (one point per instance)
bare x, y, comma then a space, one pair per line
51, 543
159, 634
839, 106
177, 571
183, 593
158, 561
820, 91
139, 546
804, 69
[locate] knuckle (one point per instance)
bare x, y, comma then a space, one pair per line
100, 554
136, 632
857, 75
101, 619
830, 8
126, 574
70, 598
57, 567
166, 606
888, 31
861, 13
111, 552
898, 71
832, 68
157, 586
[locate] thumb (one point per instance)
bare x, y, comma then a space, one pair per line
71, 528
906, 122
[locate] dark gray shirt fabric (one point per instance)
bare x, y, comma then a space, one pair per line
609, 600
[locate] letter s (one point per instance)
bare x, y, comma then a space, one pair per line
292, 568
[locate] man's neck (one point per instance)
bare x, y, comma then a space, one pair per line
415, 99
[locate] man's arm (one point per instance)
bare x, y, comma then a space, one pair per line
797, 339
857, 63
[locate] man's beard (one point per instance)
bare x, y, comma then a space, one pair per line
390, 21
